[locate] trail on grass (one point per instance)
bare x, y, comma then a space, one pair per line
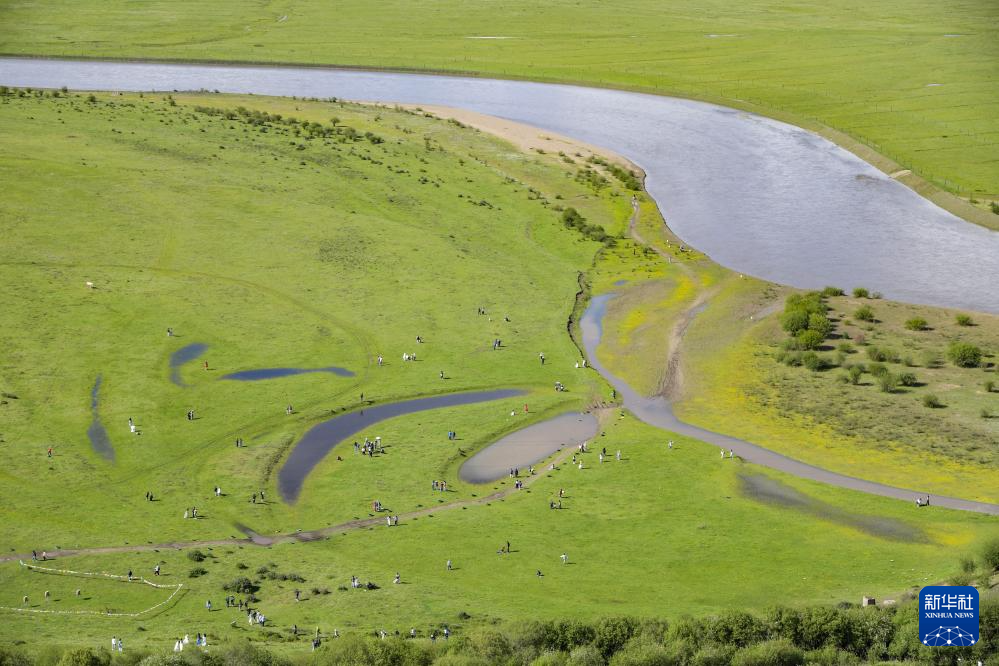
671, 382
255, 539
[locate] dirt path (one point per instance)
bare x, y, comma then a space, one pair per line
254, 539
671, 382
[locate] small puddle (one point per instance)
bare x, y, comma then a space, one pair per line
620, 283
323, 437
97, 433
184, 355
274, 373
523, 448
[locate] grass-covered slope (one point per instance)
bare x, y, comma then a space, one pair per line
913, 80
277, 244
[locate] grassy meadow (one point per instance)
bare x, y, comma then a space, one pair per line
272, 249
911, 81
331, 240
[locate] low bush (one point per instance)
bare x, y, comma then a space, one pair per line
864, 313
809, 339
916, 324
197, 572
860, 292
855, 372
931, 401
877, 369
241, 585
813, 361
964, 320
832, 291
907, 379
196, 556
887, 383
964, 355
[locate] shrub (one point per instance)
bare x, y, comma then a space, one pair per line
792, 359
196, 555
994, 206
820, 324
887, 383
985, 413
864, 313
241, 585
989, 386
931, 401
916, 324
860, 292
196, 572
769, 653
964, 355
855, 373
877, 354
844, 347
963, 320
990, 554
813, 361
907, 379
612, 634
832, 291
877, 369
809, 339
794, 321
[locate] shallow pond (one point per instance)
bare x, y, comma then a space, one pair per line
523, 448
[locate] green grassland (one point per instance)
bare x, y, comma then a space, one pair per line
240, 231
277, 251
739, 386
913, 81
659, 534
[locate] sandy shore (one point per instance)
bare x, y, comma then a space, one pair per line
526, 137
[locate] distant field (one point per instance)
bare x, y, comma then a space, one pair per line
914, 80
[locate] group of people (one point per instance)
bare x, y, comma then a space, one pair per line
439, 485
201, 640
191, 513
369, 448
117, 645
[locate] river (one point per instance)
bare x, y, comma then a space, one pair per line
759, 196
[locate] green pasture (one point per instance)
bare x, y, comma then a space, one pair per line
276, 251
659, 534
239, 231
913, 81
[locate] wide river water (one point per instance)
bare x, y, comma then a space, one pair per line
759, 196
